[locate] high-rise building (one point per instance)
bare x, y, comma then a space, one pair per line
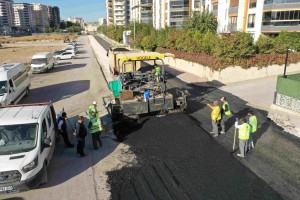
41, 17
141, 11
102, 21
77, 20
118, 12
256, 16
24, 18
6, 15
54, 16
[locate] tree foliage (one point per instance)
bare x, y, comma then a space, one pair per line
203, 22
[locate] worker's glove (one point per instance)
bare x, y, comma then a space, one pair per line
236, 119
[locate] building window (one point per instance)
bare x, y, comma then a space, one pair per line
281, 18
233, 20
252, 4
281, 1
251, 21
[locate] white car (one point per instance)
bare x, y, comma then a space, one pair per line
65, 55
70, 48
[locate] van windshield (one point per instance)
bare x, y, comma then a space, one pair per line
38, 61
17, 138
3, 87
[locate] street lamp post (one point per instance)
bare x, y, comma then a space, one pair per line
134, 7
286, 61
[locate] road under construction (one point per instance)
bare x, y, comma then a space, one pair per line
179, 159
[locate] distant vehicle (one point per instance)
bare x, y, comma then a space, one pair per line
70, 48
58, 52
27, 141
42, 62
14, 83
73, 43
65, 55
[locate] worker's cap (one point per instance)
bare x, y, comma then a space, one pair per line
94, 113
223, 98
94, 102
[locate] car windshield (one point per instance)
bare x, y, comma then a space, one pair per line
3, 87
58, 52
17, 138
39, 61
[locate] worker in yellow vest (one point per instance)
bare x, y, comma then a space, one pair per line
215, 117
95, 128
253, 123
244, 133
225, 113
93, 108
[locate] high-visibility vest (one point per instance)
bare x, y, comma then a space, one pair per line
157, 71
216, 113
91, 110
244, 132
228, 112
96, 125
253, 123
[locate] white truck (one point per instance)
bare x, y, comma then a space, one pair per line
27, 141
14, 83
42, 62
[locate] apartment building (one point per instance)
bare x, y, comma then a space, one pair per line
174, 13
6, 16
256, 16
41, 17
118, 12
77, 20
54, 15
24, 18
141, 11
109, 12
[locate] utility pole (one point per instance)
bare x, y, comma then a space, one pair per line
134, 7
286, 61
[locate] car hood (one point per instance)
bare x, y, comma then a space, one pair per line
38, 65
14, 161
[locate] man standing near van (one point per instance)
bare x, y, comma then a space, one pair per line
62, 128
80, 133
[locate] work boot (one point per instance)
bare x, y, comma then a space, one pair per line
215, 135
240, 155
252, 144
222, 132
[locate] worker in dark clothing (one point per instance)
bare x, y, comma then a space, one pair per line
62, 128
80, 133
95, 128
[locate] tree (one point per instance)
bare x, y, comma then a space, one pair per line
264, 44
203, 22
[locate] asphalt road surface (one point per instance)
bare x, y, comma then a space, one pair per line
72, 85
178, 159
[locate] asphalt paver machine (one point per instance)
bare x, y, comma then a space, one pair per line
140, 87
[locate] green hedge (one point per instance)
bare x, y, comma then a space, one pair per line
289, 86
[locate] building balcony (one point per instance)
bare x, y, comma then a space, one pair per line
277, 29
179, 19
215, 12
119, 3
179, 9
233, 10
146, 5
278, 5
232, 28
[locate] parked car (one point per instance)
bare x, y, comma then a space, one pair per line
65, 55
70, 48
73, 43
42, 62
27, 142
14, 83
58, 52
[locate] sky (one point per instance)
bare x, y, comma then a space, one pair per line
89, 10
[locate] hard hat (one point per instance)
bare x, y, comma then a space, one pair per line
94, 102
223, 98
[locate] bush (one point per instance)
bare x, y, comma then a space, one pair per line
285, 40
148, 43
264, 45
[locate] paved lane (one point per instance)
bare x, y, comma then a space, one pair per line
73, 84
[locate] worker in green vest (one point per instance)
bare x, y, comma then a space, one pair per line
215, 118
244, 133
93, 108
225, 113
253, 123
157, 72
95, 128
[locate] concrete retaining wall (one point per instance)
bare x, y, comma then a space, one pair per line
230, 74
101, 57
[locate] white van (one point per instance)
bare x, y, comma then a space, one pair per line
27, 141
14, 83
42, 62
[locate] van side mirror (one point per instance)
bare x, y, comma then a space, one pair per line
47, 142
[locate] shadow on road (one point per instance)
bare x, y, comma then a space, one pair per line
57, 92
82, 52
14, 198
66, 67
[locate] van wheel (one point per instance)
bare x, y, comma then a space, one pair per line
45, 174
27, 92
72, 57
52, 66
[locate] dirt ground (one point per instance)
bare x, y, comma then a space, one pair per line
22, 52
